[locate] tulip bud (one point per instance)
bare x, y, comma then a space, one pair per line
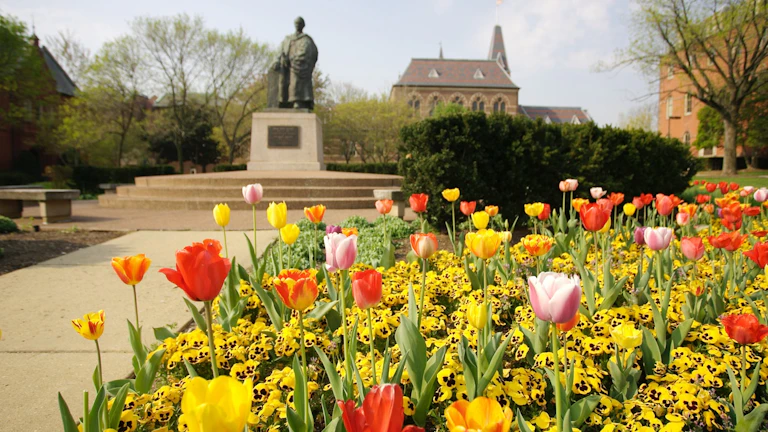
480, 219
683, 219
597, 192
761, 195
289, 233
221, 215
640, 236
629, 209
477, 314
253, 193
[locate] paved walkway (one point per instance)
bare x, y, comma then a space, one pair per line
40, 353
88, 215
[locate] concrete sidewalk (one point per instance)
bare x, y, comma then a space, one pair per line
40, 353
88, 215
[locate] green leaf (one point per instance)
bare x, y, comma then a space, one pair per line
738, 400
651, 351
252, 252
321, 309
582, 408
567, 427
333, 293
413, 310
333, 375
96, 409
521, 424
678, 336
410, 339
190, 368
163, 333
114, 386
754, 380
118, 404
493, 366
295, 422
66, 416
752, 421
139, 350
434, 365
269, 304
398, 376
334, 425
199, 320
146, 376
361, 390
96, 377
299, 389
469, 360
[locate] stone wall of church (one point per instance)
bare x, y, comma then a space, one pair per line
476, 99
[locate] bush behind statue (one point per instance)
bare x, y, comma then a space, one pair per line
511, 160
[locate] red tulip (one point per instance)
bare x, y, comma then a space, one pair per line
692, 247
605, 204
638, 202
200, 270
666, 203
759, 233
758, 254
752, 211
366, 288
419, 202
729, 241
701, 199
723, 187
382, 411
710, 187
647, 198
616, 198
544, 215
744, 328
467, 207
594, 217
731, 216
734, 186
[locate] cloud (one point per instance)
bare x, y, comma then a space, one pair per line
547, 34
442, 6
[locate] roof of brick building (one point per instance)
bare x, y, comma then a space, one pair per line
456, 73
497, 51
556, 114
64, 84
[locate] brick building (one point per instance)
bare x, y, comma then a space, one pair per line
480, 85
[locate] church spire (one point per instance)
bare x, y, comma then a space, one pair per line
497, 51
441, 50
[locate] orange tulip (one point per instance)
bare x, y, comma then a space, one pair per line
482, 414
729, 241
688, 208
616, 198
131, 269
424, 245
594, 217
468, 207
349, 231
578, 202
570, 324
315, 213
492, 210
537, 244
418, 202
297, 289
666, 203
384, 206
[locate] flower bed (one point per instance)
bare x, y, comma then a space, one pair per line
642, 329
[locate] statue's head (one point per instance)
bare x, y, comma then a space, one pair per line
299, 23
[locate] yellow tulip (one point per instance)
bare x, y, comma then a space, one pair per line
534, 209
220, 405
91, 326
578, 202
483, 243
221, 215
480, 219
506, 236
627, 336
289, 233
477, 314
537, 244
629, 209
606, 227
482, 414
277, 214
451, 195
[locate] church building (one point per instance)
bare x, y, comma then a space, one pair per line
480, 85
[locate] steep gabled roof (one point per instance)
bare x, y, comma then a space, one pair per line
557, 115
64, 84
456, 73
497, 51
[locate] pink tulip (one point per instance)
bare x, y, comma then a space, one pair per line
747, 190
683, 218
597, 192
761, 195
340, 251
658, 238
253, 193
555, 297
569, 185
640, 236
692, 247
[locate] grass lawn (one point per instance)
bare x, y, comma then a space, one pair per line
743, 178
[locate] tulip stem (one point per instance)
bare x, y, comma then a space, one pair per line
558, 390
743, 368
254, 233
304, 365
347, 366
421, 291
211, 342
373, 349
101, 383
290, 255
86, 406
136, 307
479, 358
280, 251
312, 247
453, 219
226, 249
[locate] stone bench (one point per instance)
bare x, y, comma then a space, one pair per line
111, 188
55, 204
396, 195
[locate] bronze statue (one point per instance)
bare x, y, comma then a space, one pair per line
290, 78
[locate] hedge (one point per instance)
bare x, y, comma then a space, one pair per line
509, 161
371, 168
15, 178
88, 178
228, 167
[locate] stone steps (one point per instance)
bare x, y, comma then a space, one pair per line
299, 189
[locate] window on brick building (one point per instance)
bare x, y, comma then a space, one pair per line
688, 103
458, 101
669, 106
670, 72
478, 105
499, 105
433, 104
415, 104
687, 138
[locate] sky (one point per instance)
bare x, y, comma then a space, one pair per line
552, 45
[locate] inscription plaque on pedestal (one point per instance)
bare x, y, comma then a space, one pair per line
283, 136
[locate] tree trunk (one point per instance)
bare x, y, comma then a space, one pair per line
729, 147
180, 156
120, 149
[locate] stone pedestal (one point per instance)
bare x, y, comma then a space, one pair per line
286, 139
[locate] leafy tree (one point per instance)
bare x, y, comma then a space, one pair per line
198, 145
443, 109
718, 46
73, 56
710, 133
641, 117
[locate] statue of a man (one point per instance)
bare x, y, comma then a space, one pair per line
296, 61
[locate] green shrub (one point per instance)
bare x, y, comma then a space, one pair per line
228, 167
370, 168
511, 160
88, 178
7, 225
15, 178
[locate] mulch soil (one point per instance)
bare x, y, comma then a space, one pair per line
25, 248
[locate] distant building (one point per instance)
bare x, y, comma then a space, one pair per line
480, 85
16, 140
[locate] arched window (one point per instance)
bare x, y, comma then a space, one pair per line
434, 101
687, 138
415, 104
458, 100
499, 105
